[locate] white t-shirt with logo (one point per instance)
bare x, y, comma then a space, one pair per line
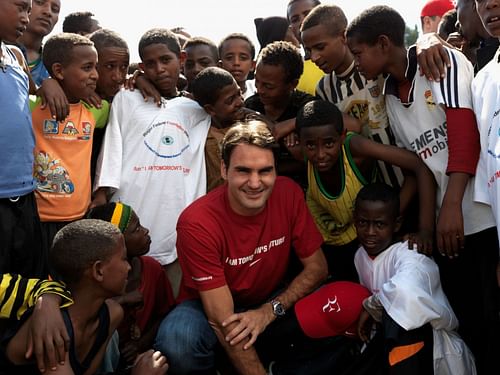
486, 102
421, 126
154, 158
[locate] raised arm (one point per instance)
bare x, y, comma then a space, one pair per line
405, 159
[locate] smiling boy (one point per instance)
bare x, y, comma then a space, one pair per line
63, 149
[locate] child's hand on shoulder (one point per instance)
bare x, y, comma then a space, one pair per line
94, 100
54, 97
423, 240
148, 90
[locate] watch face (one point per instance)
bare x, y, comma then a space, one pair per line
278, 308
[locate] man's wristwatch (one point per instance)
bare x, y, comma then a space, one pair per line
278, 308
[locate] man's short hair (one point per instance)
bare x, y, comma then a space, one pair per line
105, 38
78, 22
331, 17
376, 21
379, 192
160, 36
208, 83
251, 132
201, 41
78, 245
283, 54
59, 49
241, 36
319, 113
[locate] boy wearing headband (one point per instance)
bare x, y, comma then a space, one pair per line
148, 296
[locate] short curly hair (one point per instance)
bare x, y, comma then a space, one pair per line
160, 36
240, 36
81, 243
59, 49
331, 17
376, 21
283, 54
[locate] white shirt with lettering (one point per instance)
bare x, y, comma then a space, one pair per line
154, 159
420, 126
486, 102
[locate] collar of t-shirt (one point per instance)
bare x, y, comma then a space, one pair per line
391, 84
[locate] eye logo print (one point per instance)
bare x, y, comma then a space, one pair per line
167, 140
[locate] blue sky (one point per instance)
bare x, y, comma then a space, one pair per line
213, 19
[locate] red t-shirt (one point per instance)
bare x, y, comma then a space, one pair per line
157, 295
250, 254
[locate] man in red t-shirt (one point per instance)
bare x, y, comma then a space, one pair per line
234, 247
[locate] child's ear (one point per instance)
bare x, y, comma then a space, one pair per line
57, 71
219, 64
209, 108
252, 69
384, 42
97, 271
141, 66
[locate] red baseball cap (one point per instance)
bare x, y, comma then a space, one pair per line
436, 8
332, 310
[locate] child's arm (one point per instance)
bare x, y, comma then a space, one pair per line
463, 155
147, 89
363, 147
53, 96
45, 333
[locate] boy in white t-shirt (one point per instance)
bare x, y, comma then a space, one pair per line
153, 157
416, 322
436, 121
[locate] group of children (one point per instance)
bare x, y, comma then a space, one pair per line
374, 119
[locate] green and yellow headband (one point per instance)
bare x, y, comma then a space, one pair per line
121, 216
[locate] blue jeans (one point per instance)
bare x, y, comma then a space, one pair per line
187, 340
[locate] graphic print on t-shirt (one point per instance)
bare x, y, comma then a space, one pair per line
166, 139
51, 176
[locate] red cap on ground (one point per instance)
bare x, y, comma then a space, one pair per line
332, 310
436, 8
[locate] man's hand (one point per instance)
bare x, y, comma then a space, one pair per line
47, 335
150, 363
249, 323
432, 57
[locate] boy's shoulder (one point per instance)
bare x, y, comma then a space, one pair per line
115, 314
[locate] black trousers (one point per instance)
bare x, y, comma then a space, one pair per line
21, 250
470, 284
